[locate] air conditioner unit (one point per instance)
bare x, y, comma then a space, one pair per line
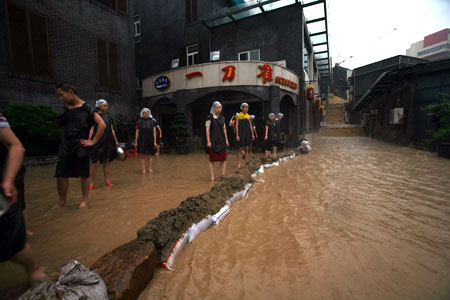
396, 116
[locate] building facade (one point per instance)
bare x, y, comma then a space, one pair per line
433, 47
89, 43
190, 53
393, 108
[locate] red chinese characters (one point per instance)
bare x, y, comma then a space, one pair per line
286, 82
266, 73
230, 71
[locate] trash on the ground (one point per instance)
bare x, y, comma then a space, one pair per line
75, 282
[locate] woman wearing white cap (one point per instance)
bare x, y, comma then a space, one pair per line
104, 151
145, 139
252, 118
244, 133
216, 138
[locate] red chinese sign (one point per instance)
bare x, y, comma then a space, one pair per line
193, 74
286, 82
266, 73
229, 73
310, 91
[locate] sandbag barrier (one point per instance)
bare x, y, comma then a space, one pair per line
195, 229
128, 269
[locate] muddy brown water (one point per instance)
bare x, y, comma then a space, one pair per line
354, 219
114, 214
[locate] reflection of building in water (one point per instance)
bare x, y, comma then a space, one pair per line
193, 52
88, 43
433, 47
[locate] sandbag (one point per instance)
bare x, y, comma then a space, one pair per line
176, 250
220, 215
74, 283
195, 229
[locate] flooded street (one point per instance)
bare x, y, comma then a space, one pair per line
114, 214
355, 219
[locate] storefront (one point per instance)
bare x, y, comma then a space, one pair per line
267, 87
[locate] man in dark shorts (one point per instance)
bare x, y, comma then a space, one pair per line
73, 161
13, 244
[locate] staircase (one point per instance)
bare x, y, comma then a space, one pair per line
336, 122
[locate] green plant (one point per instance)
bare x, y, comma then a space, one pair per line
441, 111
179, 126
36, 127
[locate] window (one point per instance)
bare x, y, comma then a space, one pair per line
214, 56
118, 5
191, 11
137, 28
192, 55
249, 55
28, 42
108, 75
306, 60
175, 63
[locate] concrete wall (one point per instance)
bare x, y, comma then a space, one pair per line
73, 26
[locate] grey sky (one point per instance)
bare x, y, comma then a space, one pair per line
365, 29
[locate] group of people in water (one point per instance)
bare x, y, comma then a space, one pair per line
245, 134
89, 136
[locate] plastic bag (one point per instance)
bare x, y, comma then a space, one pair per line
176, 250
74, 283
220, 215
195, 229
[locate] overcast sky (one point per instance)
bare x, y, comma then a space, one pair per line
373, 30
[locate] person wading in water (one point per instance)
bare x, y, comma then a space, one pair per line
216, 138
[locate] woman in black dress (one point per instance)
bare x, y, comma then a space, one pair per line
278, 142
145, 139
105, 150
216, 138
244, 133
270, 135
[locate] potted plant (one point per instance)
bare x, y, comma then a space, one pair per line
179, 130
441, 137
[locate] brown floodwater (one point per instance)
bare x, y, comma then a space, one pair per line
113, 215
354, 219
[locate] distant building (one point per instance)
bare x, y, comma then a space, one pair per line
363, 78
88, 43
340, 85
392, 108
192, 52
433, 47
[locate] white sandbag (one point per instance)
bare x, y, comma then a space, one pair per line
195, 229
268, 166
220, 215
247, 189
176, 250
261, 170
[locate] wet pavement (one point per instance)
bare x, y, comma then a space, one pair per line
355, 219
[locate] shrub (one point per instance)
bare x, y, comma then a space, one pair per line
441, 112
36, 128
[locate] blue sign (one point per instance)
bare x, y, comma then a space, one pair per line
162, 83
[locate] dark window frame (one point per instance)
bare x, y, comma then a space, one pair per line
110, 84
191, 11
114, 6
31, 50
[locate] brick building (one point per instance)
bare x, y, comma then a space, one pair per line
205, 37
89, 43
